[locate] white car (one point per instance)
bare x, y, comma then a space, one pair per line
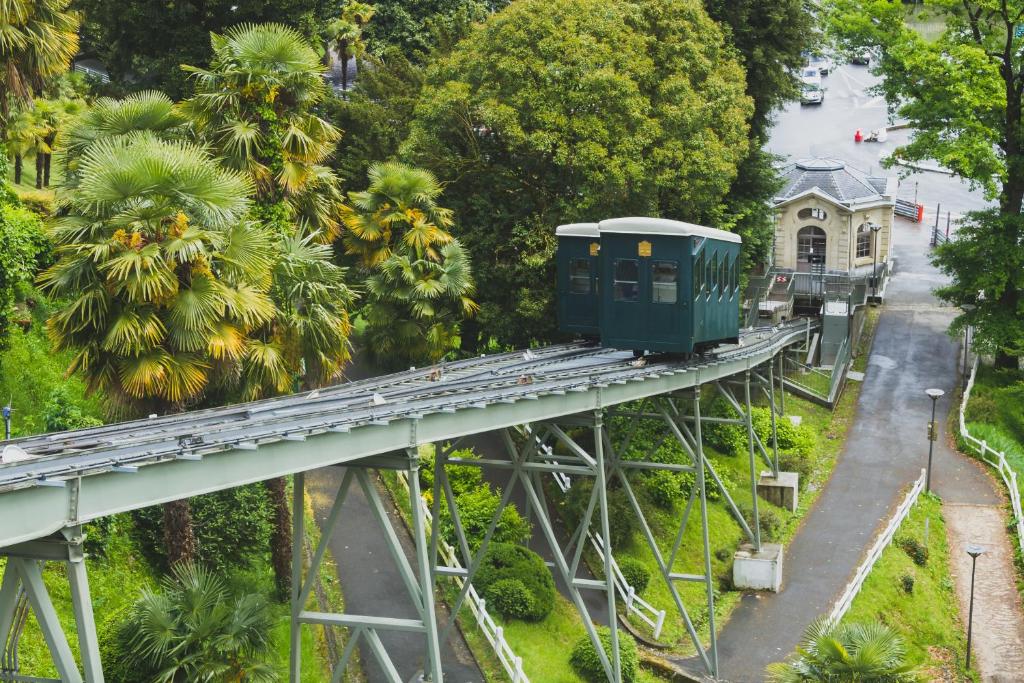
811, 91
820, 62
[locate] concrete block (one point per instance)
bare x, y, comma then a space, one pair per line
782, 490
761, 571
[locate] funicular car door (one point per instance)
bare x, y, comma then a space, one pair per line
666, 306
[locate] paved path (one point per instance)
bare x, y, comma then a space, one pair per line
885, 451
998, 642
372, 585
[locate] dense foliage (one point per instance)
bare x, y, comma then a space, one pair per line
846, 652
22, 243
38, 38
963, 94
121, 33
587, 663
516, 581
554, 112
194, 629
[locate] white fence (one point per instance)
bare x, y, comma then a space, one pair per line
495, 636
993, 457
645, 611
881, 543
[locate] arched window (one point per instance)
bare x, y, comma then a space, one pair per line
816, 214
864, 240
810, 244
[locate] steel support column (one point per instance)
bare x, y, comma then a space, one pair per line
752, 461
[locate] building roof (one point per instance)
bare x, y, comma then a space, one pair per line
664, 226
836, 181
577, 230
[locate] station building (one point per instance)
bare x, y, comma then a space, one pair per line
831, 218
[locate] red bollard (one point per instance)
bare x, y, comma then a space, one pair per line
920, 212
858, 136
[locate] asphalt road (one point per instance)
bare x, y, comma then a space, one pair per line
887, 447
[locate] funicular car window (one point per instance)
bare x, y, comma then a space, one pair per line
712, 273
627, 280
698, 276
579, 276
735, 278
723, 269
665, 281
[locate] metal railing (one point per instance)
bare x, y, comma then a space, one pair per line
997, 459
101, 76
512, 663
880, 544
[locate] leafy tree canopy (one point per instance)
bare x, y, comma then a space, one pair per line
555, 112
962, 94
416, 27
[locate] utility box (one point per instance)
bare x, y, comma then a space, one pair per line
835, 327
758, 570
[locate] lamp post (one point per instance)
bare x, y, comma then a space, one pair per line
933, 434
974, 551
967, 308
6, 412
874, 253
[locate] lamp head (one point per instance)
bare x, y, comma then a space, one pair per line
934, 394
975, 550
875, 227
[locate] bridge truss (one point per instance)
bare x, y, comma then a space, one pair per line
552, 407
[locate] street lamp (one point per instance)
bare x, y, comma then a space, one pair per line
874, 253
933, 434
972, 550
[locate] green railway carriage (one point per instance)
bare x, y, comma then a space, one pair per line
667, 286
579, 255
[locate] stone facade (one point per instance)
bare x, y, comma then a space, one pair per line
826, 202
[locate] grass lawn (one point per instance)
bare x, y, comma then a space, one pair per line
927, 618
995, 414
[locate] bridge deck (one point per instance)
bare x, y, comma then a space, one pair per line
72, 477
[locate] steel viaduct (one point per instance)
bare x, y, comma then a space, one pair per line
51, 484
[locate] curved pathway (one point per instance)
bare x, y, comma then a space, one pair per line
885, 451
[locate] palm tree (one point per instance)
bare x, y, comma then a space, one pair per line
345, 34
254, 106
842, 653
165, 284
38, 39
193, 629
24, 130
420, 283
55, 115
148, 110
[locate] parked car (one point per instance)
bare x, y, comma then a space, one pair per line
822, 63
864, 57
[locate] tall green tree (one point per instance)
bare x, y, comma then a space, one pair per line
165, 283
555, 112
38, 38
962, 93
417, 27
870, 652
143, 43
419, 280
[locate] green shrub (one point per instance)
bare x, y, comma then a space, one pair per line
61, 413
586, 662
917, 551
636, 573
507, 564
476, 508
727, 439
621, 519
664, 488
230, 525
511, 599
771, 520
791, 461
907, 583
462, 478
981, 408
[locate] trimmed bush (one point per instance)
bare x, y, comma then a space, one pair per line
508, 564
476, 508
907, 583
664, 488
636, 574
916, 550
771, 520
511, 599
586, 662
463, 478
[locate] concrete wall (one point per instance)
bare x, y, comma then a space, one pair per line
840, 226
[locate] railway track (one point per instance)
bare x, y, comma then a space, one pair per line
49, 460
